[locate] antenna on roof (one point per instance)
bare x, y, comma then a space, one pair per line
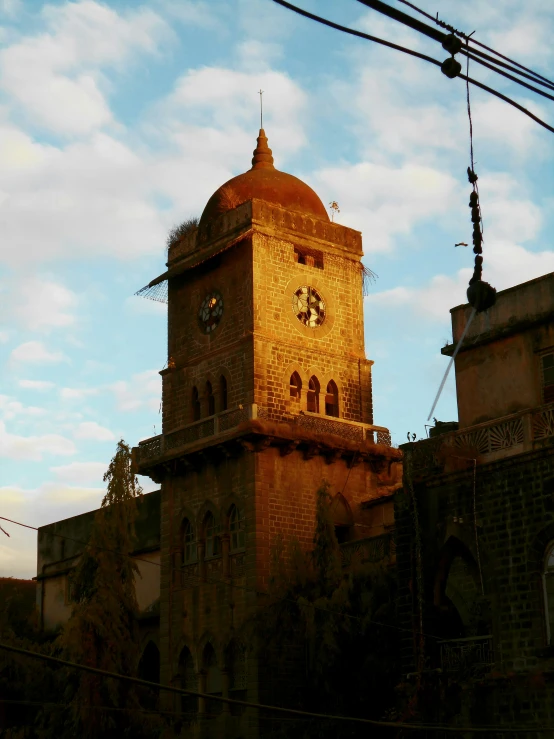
260, 93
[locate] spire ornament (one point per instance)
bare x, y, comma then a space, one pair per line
263, 157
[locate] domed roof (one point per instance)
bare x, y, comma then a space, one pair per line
264, 182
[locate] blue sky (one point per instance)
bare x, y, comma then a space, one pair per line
119, 120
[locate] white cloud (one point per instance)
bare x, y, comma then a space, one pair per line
80, 472
53, 75
39, 385
4, 336
34, 352
33, 448
384, 201
93, 431
11, 408
144, 390
41, 304
73, 393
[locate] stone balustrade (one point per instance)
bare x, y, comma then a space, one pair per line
503, 437
156, 447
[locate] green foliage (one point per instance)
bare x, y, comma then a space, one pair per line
102, 631
177, 233
340, 621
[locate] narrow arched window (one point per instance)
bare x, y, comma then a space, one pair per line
548, 580
236, 528
188, 681
214, 682
295, 386
211, 533
222, 393
237, 670
195, 405
332, 400
210, 399
188, 543
313, 395
149, 669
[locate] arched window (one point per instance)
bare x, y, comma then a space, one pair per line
332, 400
149, 669
548, 580
214, 683
313, 395
222, 393
188, 542
236, 528
188, 681
195, 405
295, 386
210, 399
342, 519
211, 533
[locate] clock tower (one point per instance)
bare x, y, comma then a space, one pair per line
267, 393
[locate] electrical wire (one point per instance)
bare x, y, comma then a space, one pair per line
360, 34
215, 581
266, 707
535, 75
410, 22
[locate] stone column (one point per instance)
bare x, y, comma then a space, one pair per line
200, 546
225, 680
202, 689
225, 555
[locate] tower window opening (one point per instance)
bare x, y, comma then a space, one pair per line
548, 378
214, 681
313, 395
222, 393
188, 543
188, 681
309, 257
332, 400
236, 528
342, 534
295, 386
210, 399
211, 533
195, 405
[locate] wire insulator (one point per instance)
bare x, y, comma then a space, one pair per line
480, 295
475, 215
473, 199
451, 68
452, 44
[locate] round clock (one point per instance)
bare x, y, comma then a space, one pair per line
308, 306
210, 312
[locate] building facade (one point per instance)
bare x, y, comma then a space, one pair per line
266, 394
475, 526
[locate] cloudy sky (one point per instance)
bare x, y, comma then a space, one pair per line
118, 121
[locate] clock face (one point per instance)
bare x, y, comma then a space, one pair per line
210, 312
308, 306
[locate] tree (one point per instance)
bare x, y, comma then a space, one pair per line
102, 631
341, 621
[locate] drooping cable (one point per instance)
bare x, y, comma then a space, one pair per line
368, 37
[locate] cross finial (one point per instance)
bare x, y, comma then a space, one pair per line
260, 93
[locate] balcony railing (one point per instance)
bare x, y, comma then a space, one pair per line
374, 549
220, 423
504, 437
467, 657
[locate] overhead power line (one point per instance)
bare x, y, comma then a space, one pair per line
219, 581
534, 75
368, 37
266, 707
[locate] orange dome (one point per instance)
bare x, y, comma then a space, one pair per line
264, 182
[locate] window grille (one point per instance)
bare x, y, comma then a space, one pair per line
188, 543
236, 528
211, 530
548, 581
548, 378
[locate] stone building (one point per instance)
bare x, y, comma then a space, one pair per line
266, 394
59, 546
475, 525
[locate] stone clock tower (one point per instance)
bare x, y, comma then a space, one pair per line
267, 393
